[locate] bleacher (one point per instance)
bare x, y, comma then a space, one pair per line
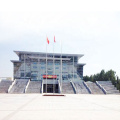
94, 88
19, 86
4, 86
34, 87
67, 88
109, 87
80, 88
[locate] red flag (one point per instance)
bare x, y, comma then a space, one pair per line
48, 40
54, 39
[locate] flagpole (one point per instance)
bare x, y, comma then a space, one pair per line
24, 66
73, 69
61, 66
46, 67
53, 70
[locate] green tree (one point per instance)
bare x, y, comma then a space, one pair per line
86, 78
92, 78
102, 75
110, 75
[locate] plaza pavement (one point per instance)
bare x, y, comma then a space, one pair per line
70, 107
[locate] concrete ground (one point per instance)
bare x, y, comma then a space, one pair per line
70, 107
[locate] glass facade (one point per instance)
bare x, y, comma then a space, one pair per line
34, 66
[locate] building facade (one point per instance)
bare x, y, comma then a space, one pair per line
38, 66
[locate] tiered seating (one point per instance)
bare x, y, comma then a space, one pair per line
4, 86
34, 87
19, 86
107, 85
80, 88
94, 88
67, 88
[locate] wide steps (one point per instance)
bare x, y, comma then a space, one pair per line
19, 86
34, 87
67, 88
4, 86
94, 88
80, 88
109, 87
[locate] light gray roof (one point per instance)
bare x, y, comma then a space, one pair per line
15, 61
55, 54
81, 64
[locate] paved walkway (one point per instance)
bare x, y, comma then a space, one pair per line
70, 107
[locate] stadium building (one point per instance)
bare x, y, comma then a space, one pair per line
37, 72
49, 69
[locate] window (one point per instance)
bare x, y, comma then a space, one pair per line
56, 67
42, 67
34, 63
35, 67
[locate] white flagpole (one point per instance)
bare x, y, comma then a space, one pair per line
24, 66
46, 65
53, 70
61, 66
73, 68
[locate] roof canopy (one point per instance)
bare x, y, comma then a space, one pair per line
55, 54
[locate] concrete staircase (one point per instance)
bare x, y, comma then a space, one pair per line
19, 86
80, 88
4, 86
109, 87
34, 87
94, 88
67, 88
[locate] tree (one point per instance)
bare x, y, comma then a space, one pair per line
86, 78
110, 75
92, 78
102, 75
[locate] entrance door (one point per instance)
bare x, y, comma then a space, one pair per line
51, 88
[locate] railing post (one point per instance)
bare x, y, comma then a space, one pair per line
101, 87
75, 90
89, 90
11, 86
27, 86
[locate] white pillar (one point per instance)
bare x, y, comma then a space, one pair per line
46, 67
39, 69
24, 66
61, 65
73, 68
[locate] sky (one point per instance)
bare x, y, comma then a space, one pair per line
89, 28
